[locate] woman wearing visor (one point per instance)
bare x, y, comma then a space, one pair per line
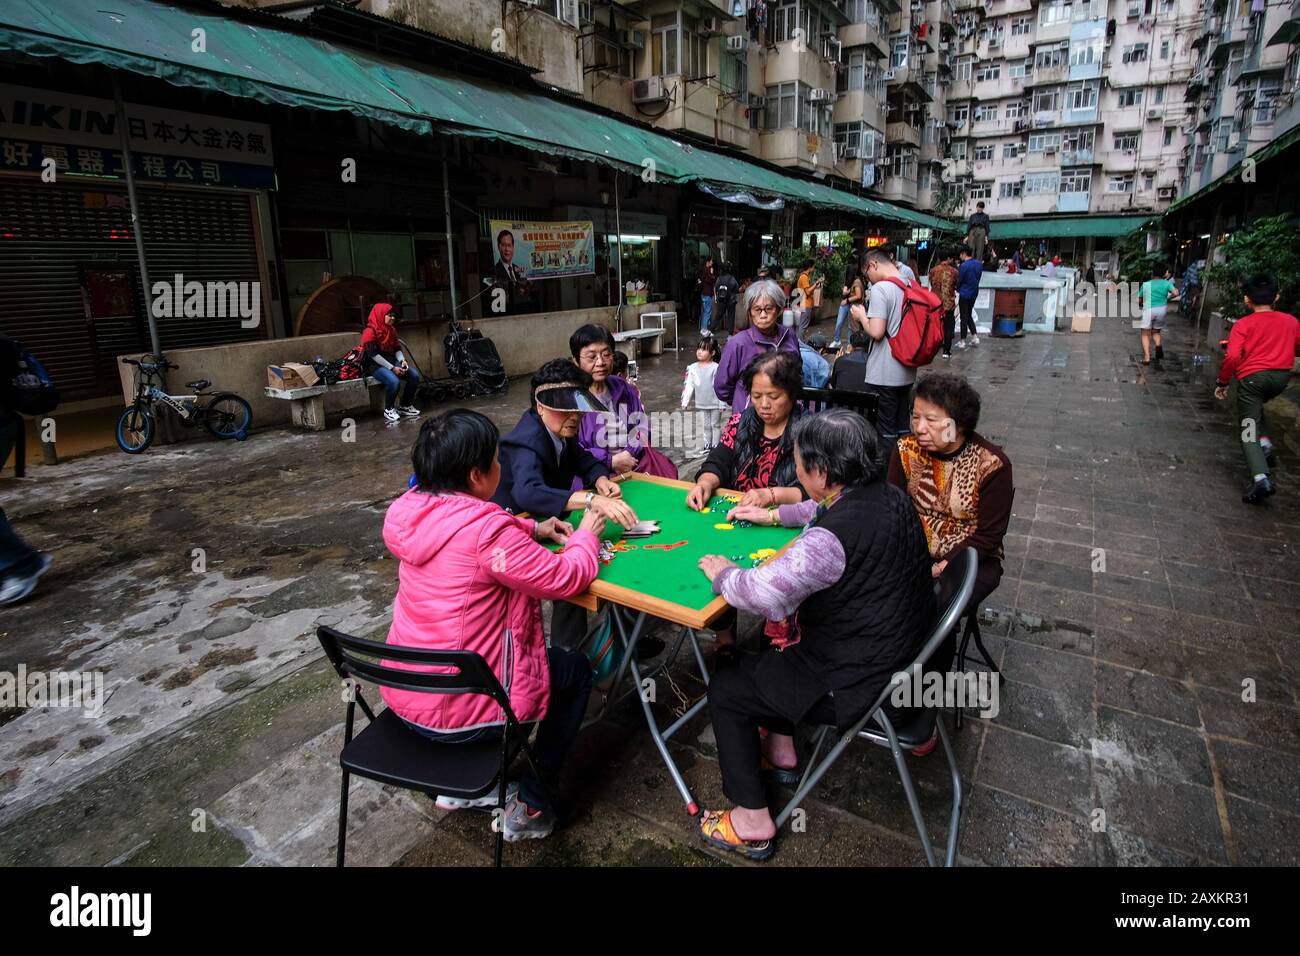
541, 458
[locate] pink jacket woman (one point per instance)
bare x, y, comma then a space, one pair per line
471, 577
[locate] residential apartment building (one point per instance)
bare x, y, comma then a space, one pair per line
1058, 107
1242, 92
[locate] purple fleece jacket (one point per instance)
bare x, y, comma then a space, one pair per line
742, 348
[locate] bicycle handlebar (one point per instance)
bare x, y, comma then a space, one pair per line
152, 365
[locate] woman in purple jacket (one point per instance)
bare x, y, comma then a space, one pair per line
619, 438
763, 302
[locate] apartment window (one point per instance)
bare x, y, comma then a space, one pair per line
1129, 98
1039, 183
566, 11
1081, 97
734, 72
856, 11
849, 134
1041, 142
992, 30
663, 44
1018, 69
988, 71
1223, 130
785, 20
983, 153
980, 190
1126, 141
986, 113
1167, 6
957, 151
1047, 101
1050, 58
1078, 140
1022, 26
1011, 189
898, 56
873, 142
1012, 150
963, 68
1266, 103
1164, 49
1159, 94
1135, 53
695, 49
1016, 109
1119, 184
1059, 11
901, 162
853, 79
1148, 181
959, 114
781, 106
1075, 180
1086, 53
1169, 136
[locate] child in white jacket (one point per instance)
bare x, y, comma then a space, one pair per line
699, 383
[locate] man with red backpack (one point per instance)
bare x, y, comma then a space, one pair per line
905, 322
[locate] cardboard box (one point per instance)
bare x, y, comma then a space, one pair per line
291, 375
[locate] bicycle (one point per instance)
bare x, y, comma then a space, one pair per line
224, 414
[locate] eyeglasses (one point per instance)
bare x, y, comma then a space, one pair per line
766, 309
605, 356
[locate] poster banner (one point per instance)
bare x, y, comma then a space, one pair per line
525, 251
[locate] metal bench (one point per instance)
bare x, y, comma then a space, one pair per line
653, 338
307, 405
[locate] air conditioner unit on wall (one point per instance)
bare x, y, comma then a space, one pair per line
851, 152
820, 95
709, 25
632, 39
756, 102
738, 44
649, 90
887, 75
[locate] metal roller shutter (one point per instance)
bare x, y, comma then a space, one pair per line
47, 231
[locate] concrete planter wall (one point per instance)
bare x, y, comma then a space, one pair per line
525, 342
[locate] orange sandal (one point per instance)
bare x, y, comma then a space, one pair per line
717, 831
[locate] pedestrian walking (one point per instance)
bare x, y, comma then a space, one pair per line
889, 379
708, 284
943, 282
21, 565
852, 293
1262, 348
1154, 296
968, 289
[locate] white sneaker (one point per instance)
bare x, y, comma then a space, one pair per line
488, 802
408, 411
392, 415
974, 341
961, 343
835, 344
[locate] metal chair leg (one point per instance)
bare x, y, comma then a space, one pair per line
343, 820
954, 818
901, 763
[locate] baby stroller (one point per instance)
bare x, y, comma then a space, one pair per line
473, 363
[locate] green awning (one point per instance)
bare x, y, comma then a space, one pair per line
283, 67
1064, 227
1267, 153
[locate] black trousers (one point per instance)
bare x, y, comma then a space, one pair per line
738, 709
966, 306
949, 319
894, 416
568, 624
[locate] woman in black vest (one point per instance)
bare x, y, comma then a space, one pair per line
857, 589
755, 455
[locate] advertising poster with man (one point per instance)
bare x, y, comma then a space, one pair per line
527, 252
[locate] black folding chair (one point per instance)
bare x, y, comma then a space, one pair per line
971, 631
389, 751
918, 723
865, 403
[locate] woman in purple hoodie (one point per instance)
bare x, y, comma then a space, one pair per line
763, 302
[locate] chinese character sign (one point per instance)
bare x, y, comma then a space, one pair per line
523, 251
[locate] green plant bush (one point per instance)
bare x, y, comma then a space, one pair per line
1269, 244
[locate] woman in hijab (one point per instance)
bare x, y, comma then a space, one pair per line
385, 361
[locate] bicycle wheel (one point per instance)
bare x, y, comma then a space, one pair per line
228, 416
135, 430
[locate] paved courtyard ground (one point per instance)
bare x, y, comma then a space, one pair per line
1150, 713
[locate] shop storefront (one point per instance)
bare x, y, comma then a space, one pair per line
72, 288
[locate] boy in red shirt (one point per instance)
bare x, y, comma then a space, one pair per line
1261, 350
